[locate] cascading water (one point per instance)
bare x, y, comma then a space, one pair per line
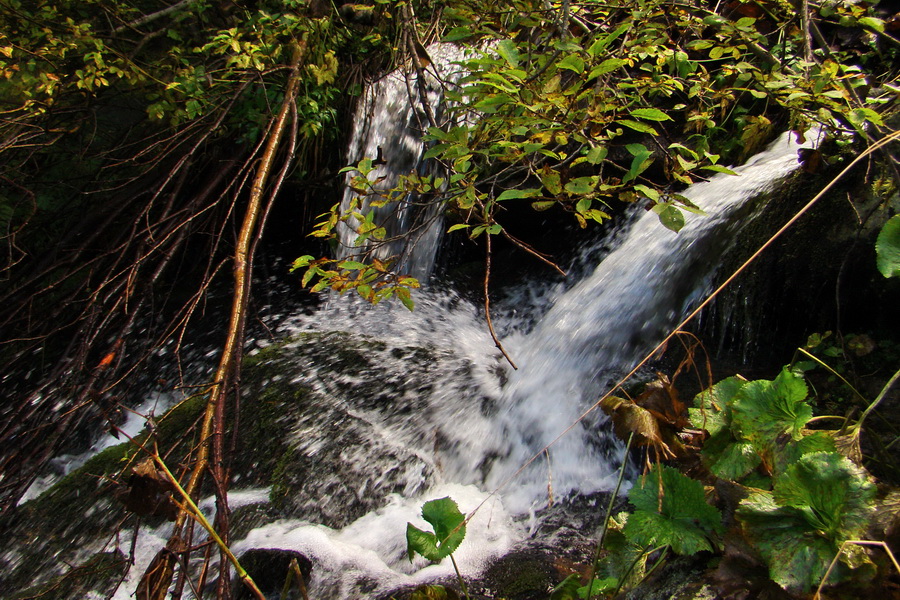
476, 423
435, 411
388, 127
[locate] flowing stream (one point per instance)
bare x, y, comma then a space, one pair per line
471, 422
481, 421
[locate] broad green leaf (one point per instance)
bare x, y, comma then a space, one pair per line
607, 66
763, 410
641, 160
729, 459
573, 62
796, 555
789, 452
816, 504
508, 51
673, 512
872, 23
514, 194
351, 265
650, 114
713, 405
670, 216
637, 126
596, 154
551, 181
834, 494
647, 192
887, 248
581, 185
449, 530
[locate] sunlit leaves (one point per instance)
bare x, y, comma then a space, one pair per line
449, 531
671, 510
818, 502
887, 248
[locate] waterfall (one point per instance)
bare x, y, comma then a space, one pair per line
476, 422
388, 127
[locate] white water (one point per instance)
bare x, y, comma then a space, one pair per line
389, 123
584, 336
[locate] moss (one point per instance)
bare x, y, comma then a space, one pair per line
99, 575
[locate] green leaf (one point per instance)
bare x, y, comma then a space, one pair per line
458, 226
763, 410
406, 298
713, 412
573, 62
508, 51
607, 66
600, 45
515, 194
596, 154
543, 205
730, 459
719, 169
581, 185
671, 217
567, 589
887, 248
674, 513
796, 556
637, 126
351, 265
551, 180
872, 23
819, 502
650, 114
838, 492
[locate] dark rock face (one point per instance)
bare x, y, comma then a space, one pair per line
270, 569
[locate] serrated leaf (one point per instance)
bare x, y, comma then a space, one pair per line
834, 494
713, 412
796, 556
730, 459
675, 513
887, 248
763, 410
818, 503
421, 542
448, 523
650, 114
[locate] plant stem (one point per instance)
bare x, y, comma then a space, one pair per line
198, 516
609, 509
880, 397
459, 577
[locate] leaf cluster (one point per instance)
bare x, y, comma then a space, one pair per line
804, 498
